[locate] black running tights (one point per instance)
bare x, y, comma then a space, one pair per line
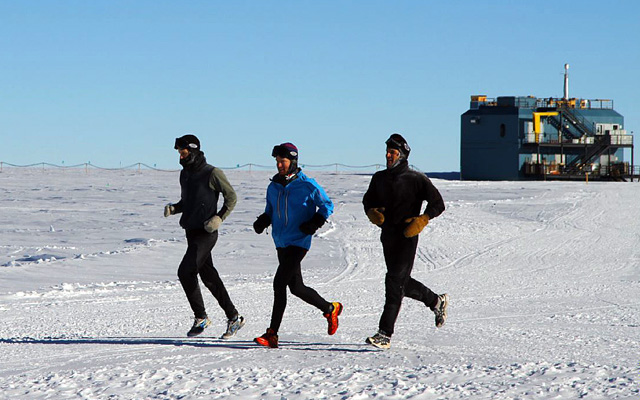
399, 254
197, 260
289, 274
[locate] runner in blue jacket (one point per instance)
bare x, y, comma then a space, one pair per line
296, 207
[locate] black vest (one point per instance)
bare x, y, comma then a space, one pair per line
199, 201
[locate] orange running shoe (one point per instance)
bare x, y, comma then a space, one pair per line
332, 318
269, 339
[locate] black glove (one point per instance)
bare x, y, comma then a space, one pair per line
261, 223
310, 227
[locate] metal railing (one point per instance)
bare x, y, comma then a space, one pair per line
553, 102
619, 171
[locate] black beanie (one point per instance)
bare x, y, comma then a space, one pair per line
189, 142
396, 141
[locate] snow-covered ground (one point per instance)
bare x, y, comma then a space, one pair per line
544, 279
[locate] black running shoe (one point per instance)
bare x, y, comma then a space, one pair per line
198, 326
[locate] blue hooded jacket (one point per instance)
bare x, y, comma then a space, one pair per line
291, 205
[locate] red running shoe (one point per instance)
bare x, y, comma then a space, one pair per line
332, 318
269, 339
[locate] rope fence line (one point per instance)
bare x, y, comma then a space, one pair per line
140, 166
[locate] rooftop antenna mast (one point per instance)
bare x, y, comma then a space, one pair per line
566, 82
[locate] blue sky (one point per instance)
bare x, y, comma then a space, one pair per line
114, 82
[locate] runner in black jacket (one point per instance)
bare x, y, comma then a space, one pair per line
394, 202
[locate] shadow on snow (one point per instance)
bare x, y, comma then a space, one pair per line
200, 342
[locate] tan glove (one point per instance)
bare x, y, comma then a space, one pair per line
169, 210
376, 215
213, 224
416, 225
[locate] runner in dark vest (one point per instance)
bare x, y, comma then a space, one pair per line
201, 185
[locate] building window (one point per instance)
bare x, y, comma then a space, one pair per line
503, 130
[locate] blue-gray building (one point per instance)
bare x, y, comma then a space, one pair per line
512, 138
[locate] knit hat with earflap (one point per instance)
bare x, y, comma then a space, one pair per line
285, 150
289, 151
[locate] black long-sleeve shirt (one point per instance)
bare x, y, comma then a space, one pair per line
401, 191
